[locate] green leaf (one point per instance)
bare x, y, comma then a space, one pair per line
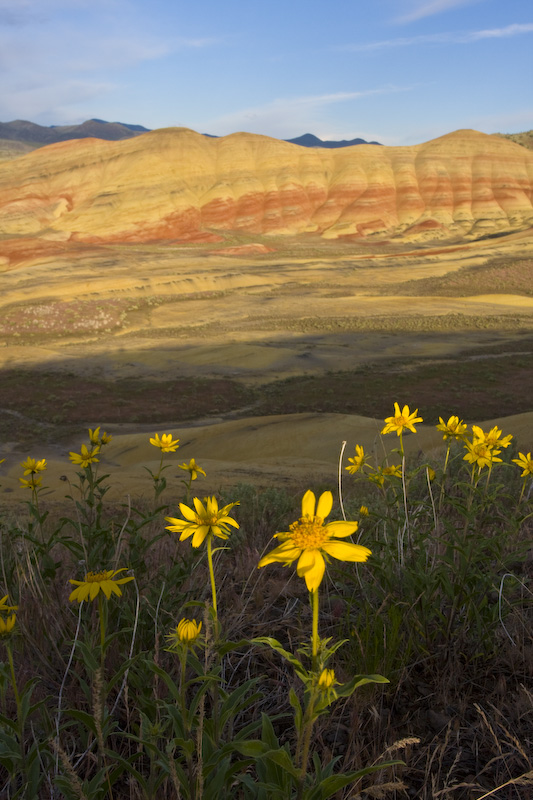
346, 689
332, 784
295, 703
84, 718
275, 645
253, 748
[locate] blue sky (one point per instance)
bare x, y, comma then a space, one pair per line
396, 71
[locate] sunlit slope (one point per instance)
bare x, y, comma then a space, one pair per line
176, 184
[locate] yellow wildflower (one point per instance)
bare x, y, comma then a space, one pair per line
401, 420
203, 521
166, 443
4, 607
358, 461
31, 466
327, 679
86, 456
32, 483
193, 468
186, 632
311, 541
525, 463
492, 438
95, 438
7, 625
96, 582
453, 429
394, 471
481, 453
364, 511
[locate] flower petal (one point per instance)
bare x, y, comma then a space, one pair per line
187, 512
312, 572
325, 504
346, 551
285, 554
308, 504
340, 528
199, 535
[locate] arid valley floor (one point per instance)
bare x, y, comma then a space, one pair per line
261, 359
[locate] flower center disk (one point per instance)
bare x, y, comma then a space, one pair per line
308, 533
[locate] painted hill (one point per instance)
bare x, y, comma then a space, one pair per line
175, 184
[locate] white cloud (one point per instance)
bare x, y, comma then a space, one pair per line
426, 9
443, 38
287, 117
55, 54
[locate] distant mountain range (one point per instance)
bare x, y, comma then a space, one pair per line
20, 136
39, 135
308, 140
23, 131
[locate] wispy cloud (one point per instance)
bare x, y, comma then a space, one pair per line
61, 54
466, 37
426, 9
286, 117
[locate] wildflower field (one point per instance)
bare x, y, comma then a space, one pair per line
370, 639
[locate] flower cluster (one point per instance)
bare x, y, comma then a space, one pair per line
32, 467
483, 448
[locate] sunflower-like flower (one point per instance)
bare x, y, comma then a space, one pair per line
358, 461
492, 438
96, 582
203, 521
186, 632
312, 542
394, 471
453, 429
192, 468
481, 453
7, 624
525, 463
86, 456
31, 466
31, 483
401, 420
364, 512
327, 679
95, 438
5, 608
166, 443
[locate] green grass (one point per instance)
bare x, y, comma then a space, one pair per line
94, 705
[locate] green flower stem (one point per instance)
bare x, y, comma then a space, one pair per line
212, 573
185, 716
18, 704
13, 678
444, 471
102, 626
314, 638
304, 743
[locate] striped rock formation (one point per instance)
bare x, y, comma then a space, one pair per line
175, 184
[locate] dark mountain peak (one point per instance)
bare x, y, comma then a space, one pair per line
309, 140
